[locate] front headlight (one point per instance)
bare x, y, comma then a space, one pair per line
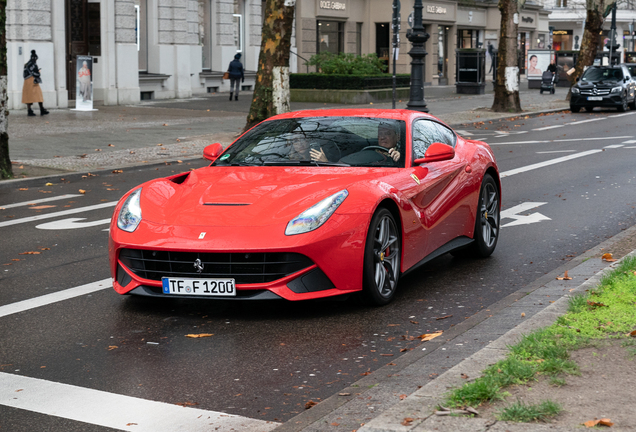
575, 90
617, 89
130, 213
316, 215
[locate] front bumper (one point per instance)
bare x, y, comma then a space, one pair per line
612, 100
331, 259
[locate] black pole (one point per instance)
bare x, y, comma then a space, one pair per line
418, 37
612, 36
396, 41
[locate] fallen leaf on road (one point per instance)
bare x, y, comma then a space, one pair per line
110, 145
82, 191
414, 322
601, 422
444, 317
608, 257
112, 347
596, 304
187, 404
564, 277
49, 184
165, 124
23, 189
464, 376
131, 424
387, 355
29, 253
117, 171
344, 394
43, 191
200, 335
523, 314
407, 421
403, 396
41, 207
428, 336
310, 404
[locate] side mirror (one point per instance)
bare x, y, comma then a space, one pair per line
437, 152
212, 151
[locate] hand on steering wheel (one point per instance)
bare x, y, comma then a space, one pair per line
392, 152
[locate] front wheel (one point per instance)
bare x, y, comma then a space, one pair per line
632, 105
623, 107
382, 258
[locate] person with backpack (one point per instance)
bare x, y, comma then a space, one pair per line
236, 72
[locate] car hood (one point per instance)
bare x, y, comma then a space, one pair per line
601, 85
244, 196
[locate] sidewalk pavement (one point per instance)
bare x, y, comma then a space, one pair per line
168, 130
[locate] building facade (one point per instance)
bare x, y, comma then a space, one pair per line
141, 49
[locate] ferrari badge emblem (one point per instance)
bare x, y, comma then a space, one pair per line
201, 236
198, 265
415, 178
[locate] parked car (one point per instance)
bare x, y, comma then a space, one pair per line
604, 86
631, 67
310, 204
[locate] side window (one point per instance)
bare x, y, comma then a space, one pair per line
446, 135
425, 133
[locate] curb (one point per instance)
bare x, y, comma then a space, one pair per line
420, 405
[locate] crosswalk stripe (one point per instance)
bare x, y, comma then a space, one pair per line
56, 214
115, 411
38, 201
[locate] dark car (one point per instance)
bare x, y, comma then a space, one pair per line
604, 86
631, 67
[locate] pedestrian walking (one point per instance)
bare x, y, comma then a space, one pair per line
235, 69
31, 91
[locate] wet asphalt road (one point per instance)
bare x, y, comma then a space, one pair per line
267, 360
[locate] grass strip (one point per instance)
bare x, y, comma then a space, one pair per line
607, 311
520, 412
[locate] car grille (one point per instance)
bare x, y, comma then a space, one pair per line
598, 92
245, 268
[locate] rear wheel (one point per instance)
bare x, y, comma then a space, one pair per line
623, 106
552, 90
382, 257
632, 105
575, 108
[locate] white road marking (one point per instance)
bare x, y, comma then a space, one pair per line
623, 115
56, 214
116, 411
547, 163
630, 147
586, 121
560, 140
71, 223
38, 201
548, 127
512, 213
614, 146
556, 151
55, 297
504, 133
629, 142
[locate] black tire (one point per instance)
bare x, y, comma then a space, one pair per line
623, 106
541, 91
552, 90
632, 105
382, 259
589, 109
575, 108
487, 220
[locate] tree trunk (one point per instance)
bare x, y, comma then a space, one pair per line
507, 84
5, 163
589, 45
271, 92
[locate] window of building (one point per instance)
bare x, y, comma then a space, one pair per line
383, 42
467, 38
561, 3
562, 40
141, 29
330, 36
359, 39
205, 34
237, 24
94, 29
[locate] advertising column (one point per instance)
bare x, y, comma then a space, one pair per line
84, 84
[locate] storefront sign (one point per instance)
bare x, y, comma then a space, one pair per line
527, 20
332, 5
435, 9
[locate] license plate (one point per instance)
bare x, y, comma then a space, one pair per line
595, 98
200, 287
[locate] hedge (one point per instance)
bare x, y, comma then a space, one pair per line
346, 82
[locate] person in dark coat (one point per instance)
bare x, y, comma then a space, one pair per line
31, 91
235, 69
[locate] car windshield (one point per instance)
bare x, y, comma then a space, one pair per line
632, 70
320, 141
602, 74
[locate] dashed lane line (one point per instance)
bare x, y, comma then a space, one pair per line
548, 127
556, 151
547, 163
560, 140
39, 201
115, 411
60, 213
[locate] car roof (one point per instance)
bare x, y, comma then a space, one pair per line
396, 114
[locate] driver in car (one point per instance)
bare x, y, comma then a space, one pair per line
387, 138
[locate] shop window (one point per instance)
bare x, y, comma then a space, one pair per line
205, 36
467, 38
330, 37
359, 39
141, 29
562, 40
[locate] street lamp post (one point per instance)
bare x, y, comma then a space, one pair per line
418, 36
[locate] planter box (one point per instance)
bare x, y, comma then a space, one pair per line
349, 96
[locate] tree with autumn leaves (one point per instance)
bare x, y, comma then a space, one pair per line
5, 163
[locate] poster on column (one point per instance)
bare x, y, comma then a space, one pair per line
84, 84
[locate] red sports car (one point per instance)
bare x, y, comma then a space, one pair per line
310, 204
